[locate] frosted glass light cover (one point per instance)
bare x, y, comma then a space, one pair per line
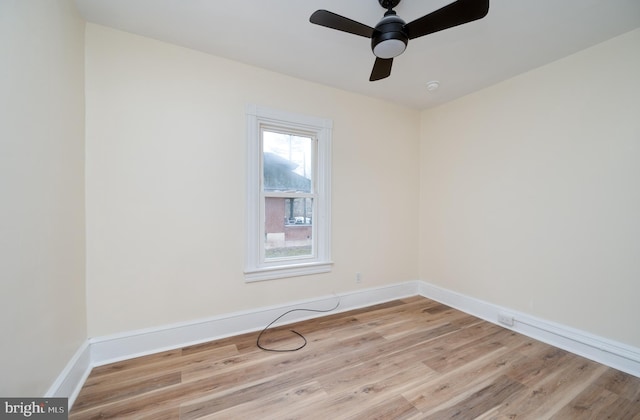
389, 48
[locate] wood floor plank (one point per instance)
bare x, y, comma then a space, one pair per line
360, 374
411, 358
621, 383
354, 400
453, 387
481, 400
397, 408
104, 393
469, 351
592, 401
144, 375
553, 390
296, 398
539, 362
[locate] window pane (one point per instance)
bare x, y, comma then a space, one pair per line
286, 162
288, 227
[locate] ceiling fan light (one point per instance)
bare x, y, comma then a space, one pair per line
389, 48
389, 38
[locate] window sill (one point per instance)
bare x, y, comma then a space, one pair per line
283, 271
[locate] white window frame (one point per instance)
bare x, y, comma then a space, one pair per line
320, 129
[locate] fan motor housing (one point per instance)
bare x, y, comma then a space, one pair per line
389, 4
389, 37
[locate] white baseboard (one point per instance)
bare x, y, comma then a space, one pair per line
73, 376
608, 352
103, 350
118, 347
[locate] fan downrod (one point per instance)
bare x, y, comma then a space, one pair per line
389, 4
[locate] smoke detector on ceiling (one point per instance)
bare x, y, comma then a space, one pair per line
433, 85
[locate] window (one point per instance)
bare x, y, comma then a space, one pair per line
289, 223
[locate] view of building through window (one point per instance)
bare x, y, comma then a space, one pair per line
287, 162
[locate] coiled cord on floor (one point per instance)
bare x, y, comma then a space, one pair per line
293, 331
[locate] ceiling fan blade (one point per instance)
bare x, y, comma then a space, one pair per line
341, 23
381, 69
454, 14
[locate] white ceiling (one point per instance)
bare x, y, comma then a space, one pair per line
516, 36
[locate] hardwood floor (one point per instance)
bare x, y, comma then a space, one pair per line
406, 359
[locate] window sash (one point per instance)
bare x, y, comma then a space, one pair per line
319, 130
312, 256
278, 129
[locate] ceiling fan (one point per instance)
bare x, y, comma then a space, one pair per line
391, 35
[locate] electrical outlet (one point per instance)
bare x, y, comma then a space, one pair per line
506, 319
358, 278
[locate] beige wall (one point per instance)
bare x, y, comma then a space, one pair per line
43, 318
166, 164
530, 192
